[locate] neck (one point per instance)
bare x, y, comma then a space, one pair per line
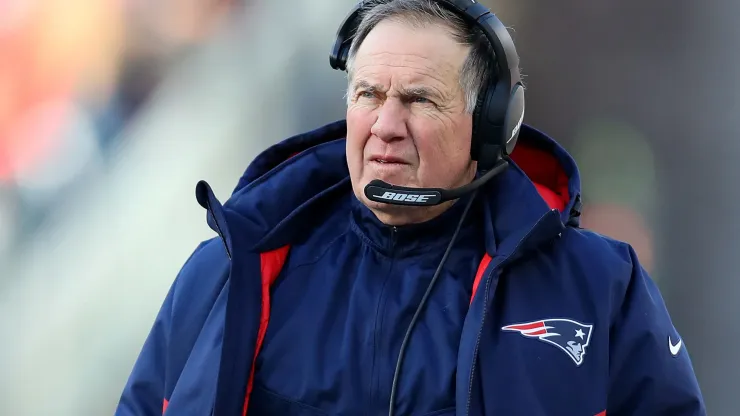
413, 237
398, 215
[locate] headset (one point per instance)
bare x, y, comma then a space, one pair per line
498, 113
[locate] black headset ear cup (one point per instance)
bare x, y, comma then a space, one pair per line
514, 118
475, 140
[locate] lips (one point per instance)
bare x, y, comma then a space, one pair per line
388, 160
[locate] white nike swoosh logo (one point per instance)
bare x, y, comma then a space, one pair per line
674, 348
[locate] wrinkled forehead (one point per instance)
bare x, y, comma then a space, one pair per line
396, 48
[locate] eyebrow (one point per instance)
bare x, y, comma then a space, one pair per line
414, 91
419, 91
367, 86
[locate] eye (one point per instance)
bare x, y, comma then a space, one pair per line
365, 94
420, 100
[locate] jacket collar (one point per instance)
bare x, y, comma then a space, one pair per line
289, 186
432, 235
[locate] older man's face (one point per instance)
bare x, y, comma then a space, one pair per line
406, 121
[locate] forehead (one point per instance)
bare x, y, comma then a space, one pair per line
410, 54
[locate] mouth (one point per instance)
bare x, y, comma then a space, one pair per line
388, 160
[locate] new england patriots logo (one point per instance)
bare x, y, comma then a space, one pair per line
570, 336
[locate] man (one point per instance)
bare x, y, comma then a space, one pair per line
318, 298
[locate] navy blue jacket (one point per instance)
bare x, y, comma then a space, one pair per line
299, 306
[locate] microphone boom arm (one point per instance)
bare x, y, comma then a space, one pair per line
380, 191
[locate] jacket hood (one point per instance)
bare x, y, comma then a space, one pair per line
279, 193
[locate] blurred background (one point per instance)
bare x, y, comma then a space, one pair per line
112, 110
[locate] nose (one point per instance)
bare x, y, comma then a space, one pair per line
391, 122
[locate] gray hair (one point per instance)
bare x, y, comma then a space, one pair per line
478, 66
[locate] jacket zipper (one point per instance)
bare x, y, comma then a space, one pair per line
394, 232
485, 309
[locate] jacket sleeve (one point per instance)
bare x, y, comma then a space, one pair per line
651, 372
144, 392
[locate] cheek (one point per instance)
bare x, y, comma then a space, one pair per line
431, 152
439, 147
447, 154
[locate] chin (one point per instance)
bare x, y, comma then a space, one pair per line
398, 175
398, 215
395, 181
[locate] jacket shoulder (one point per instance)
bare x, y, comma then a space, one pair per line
194, 293
599, 261
205, 271
601, 249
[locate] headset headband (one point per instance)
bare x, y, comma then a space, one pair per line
471, 11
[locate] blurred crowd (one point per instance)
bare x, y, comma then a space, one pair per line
73, 73
111, 110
